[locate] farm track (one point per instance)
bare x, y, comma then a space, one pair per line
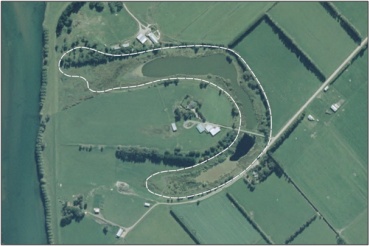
182, 78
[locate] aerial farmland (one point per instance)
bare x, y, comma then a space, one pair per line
204, 123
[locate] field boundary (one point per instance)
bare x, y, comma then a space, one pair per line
182, 78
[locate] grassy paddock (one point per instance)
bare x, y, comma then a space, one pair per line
214, 227
287, 83
148, 231
318, 232
275, 206
195, 22
316, 32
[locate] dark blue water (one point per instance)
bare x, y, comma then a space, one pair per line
22, 213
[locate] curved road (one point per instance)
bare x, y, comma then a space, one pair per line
181, 78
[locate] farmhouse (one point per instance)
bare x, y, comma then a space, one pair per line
153, 38
147, 204
200, 128
141, 37
119, 233
174, 128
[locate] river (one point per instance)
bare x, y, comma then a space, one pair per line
22, 213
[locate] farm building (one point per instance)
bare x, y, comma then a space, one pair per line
119, 233
200, 128
125, 45
326, 88
96, 210
153, 38
215, 130
311, 118
147, 204
208, 127
141, 37
174, 128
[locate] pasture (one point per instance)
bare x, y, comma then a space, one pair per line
103, 27
158, 227
318, 232
358, 231
287, 83
275, 205
316, 32
333, 151
195, 22
143, 117
88, 231
217, 221
356, 13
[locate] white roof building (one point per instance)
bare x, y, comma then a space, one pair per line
119, 233
335, 107
215, 130
208, 127
96, 210
174, 128
200, 128
147, 204
326, 88
153, 38
141, 37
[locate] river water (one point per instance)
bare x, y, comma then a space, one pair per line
22, 213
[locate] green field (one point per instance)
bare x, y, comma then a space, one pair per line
287, 83
275, 206
356, 13
217, 221
357, 231
333, 151
316, 32
88, 232
103, 27
195, 22
318, 232
143, 117
158, 227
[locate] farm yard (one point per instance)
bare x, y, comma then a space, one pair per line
87, 132
327, 44
339, 190
196, 24
286, 81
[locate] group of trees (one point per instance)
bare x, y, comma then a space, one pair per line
115, 7
73, 212
65, 19
181, 113
98, 6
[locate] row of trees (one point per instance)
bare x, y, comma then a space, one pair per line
300, 230
289, 42
65, 19
98, 6
343, 21
115, 7
190, 232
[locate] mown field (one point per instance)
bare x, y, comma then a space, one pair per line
217, 221
356, 13
158, 227
318, 232
287, 83
357, 231
195, 22
316, 32
143, 117
333, 151
88, 232
103, 27
275, 206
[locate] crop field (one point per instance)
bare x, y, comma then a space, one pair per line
318, 232
358, 231
275, 206
114, 118
357, 14
81, 233
103, 27
287, 83
158, 227
195, 22
217, 221
316, 32
333, 151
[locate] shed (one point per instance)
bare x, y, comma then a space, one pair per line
141, 37
119, 233
208, 127
326, 88
335, 107
174, 128
153, 38
215, 130
200, 128
96, 210
310, 117
147, 204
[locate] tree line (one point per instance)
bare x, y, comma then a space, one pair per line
300, 230
191, 233
343, 21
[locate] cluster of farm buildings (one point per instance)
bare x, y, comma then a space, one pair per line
144, 38
202, 127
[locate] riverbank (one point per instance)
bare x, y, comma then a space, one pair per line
23, 220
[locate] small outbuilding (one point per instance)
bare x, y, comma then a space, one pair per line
311, 118
119, 233
96, 210
200, 128
147, 204
174, 128
141, 37
335, 107
326, 88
